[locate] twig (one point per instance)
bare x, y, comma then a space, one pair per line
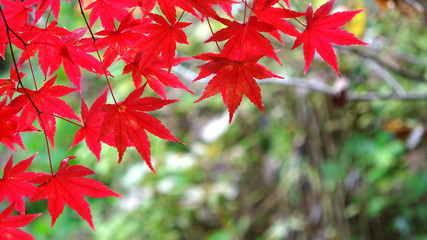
387, 77
350, 96
371, 96
373, 55
299, 82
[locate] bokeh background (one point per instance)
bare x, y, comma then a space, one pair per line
330, 158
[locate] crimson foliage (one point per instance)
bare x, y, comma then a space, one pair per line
144, 39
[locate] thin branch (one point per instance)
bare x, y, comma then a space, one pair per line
374, 55
299, 82
372, 96
387, 77
350, 96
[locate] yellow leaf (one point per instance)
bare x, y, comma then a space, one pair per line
358, 24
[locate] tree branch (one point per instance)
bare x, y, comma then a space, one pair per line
371, 96
350, 96
374, 55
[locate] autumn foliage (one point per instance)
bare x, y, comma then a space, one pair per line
142, 36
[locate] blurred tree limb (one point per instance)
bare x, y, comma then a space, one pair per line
387, 63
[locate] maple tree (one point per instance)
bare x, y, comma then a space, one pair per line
143, 39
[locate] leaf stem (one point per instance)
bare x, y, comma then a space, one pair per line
296, 19
182, 14
244, 13
210, 27
246, 4
104, 71
244, 32
67, 120
46, 140
47, 18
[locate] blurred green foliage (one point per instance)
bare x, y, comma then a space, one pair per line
308, 168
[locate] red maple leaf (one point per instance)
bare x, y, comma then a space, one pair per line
9, 225
16, 183
245, 39
108, 10
265, 11
204, 7
322, 30
233, 79
166, 6
47, 102
73, 56
156, 75
56, 45
129, 123
43, 41
9, 126
8, 86
17, 13
3, 39
118, 41
162, 38
92, 121
68, 185
43, 5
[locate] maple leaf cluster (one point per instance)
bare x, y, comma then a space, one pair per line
142, 36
